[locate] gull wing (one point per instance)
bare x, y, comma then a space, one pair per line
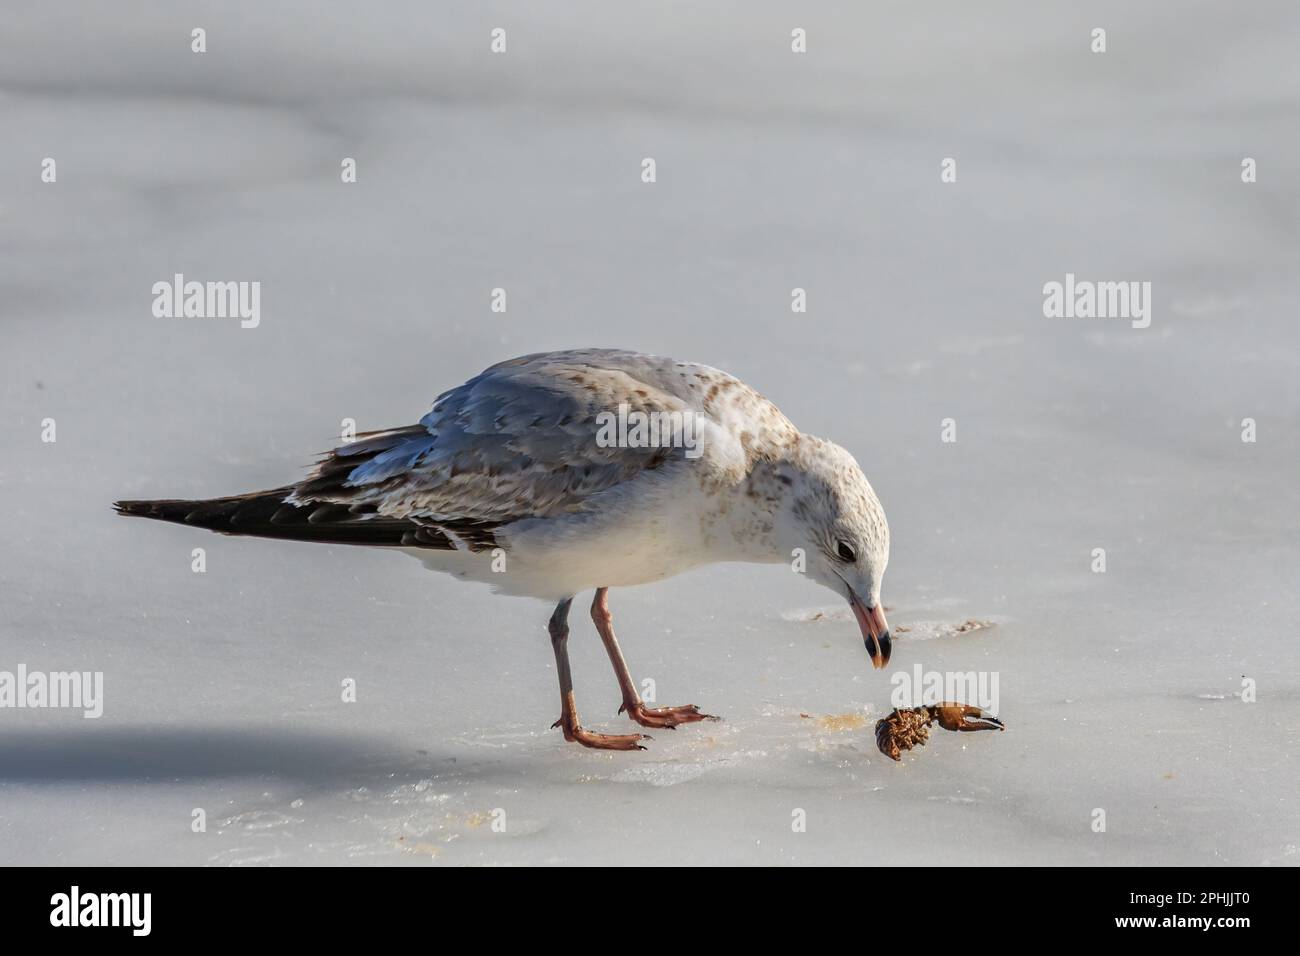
518, 441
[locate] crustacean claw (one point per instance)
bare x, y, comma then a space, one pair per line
905, 729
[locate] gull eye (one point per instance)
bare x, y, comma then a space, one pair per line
846, 553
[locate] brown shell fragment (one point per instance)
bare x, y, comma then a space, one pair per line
903, 730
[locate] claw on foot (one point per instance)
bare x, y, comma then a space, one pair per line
668, 717
905, 729
577, 734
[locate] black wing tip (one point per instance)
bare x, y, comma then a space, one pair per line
267, 514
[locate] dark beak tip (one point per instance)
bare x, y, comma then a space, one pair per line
875, 631
879, 655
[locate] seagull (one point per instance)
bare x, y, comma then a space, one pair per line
560, 472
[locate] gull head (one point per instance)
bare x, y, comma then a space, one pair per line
832, 514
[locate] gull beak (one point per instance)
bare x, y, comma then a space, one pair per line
875, 630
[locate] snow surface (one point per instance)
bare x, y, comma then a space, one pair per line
1120, 690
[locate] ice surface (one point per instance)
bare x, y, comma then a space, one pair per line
1121, 690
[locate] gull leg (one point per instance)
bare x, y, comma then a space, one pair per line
668, 717
559, 628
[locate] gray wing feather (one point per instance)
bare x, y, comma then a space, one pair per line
517, 441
